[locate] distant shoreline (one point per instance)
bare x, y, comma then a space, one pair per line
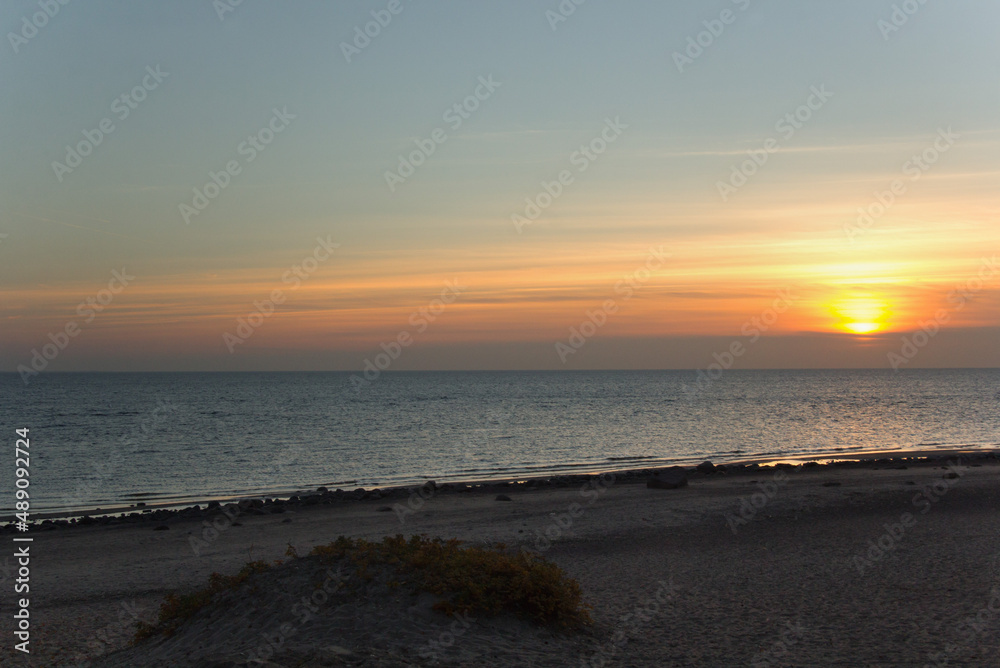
154, 511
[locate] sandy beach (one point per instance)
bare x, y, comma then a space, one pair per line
885, 563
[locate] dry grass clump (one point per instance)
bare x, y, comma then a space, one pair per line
490, 580
470, 579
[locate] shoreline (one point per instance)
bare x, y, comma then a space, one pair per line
893, 554
159, 512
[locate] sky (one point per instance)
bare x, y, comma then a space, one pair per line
421, 184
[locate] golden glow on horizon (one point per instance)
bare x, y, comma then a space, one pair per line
353, 302
861, 314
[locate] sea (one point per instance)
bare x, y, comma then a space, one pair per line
103, 440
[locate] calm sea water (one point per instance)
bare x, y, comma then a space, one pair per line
105, 439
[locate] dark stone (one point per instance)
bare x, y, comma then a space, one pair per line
950, 475
287, 520
161, 527
322, 489
831, 484
503, 497
383, 509
674, 477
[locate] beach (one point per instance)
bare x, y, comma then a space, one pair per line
893, 563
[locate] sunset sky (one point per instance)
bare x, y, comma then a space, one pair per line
820, 110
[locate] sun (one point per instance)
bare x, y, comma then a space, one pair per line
862, 327
861, 315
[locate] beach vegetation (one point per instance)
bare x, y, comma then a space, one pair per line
490, 580
470, 579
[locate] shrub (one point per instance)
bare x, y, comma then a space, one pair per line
490, 580
471, 579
